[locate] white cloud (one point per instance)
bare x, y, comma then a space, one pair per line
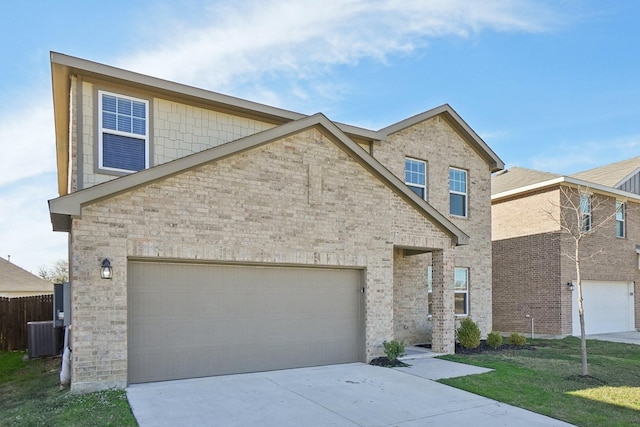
582, 155
248, 40
25, 227
27, 141
243, 48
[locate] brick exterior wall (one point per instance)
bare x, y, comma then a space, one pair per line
524, 216
530, 271
410, 296
277, 204
527, 282
258, 206
437, 143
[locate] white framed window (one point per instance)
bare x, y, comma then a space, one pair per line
585, 212
458, 192
430, 291
461, 291
620, 228
123, 132
415, 176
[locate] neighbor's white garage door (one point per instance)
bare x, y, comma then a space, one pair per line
608, 307
195, 320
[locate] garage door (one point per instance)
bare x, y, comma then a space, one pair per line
195, 320
608, 307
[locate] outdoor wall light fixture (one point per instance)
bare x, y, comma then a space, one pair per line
106, 271
570, 286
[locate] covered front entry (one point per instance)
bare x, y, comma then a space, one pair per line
189, 320
608, 307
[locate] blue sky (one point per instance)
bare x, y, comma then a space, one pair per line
549, 85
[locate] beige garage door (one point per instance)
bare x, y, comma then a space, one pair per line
195, 320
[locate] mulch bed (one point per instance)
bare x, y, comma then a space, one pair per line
386, 363
482, 348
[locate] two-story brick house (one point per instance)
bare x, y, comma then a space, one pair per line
533, 279
242, 237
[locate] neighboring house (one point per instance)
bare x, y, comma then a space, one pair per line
16, 282
530, 272
243, 237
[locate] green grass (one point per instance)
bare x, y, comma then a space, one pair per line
30, 396
547, 380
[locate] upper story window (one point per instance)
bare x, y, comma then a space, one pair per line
458, 192
585, 212
123, 141
415, 176
620, 230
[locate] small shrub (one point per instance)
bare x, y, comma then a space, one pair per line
517, 339
393, 349
494, 340
469, 333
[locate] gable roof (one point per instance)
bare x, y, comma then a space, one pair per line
63, 208
517, 177
611, 175
64, 66
16, 279
519, 181
458, 124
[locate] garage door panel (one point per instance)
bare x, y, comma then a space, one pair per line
608, 307
227, 319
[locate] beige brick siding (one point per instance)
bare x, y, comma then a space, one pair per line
410, 295
177, 130
251, 207
437, 143
530, 272
526, 215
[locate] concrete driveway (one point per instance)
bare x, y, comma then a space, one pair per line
631, 337
354, 394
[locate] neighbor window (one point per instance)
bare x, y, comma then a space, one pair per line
585, 212
123, 142
461, 291
620, 231
415, 176
457, 192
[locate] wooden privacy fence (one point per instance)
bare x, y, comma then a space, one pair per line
14, 315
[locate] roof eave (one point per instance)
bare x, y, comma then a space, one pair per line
566, 180
61, 84
453, 118
64, 208
458, 236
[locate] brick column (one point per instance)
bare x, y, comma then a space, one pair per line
443, 318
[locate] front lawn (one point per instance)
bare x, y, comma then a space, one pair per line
547, 380
30, 396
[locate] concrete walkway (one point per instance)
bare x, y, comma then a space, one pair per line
631, 337
354, 394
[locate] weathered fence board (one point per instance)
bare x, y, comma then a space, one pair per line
14, 315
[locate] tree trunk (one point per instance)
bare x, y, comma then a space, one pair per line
583, 336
